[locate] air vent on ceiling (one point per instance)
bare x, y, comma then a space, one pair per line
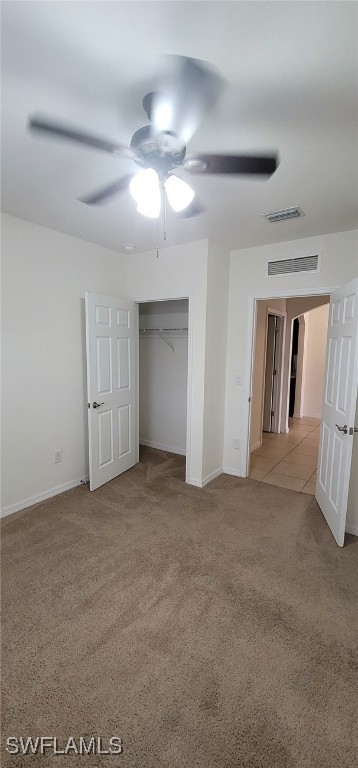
289, 266
286, 213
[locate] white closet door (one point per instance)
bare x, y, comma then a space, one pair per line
112, 349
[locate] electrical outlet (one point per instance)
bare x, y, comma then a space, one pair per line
236, 443
58, 456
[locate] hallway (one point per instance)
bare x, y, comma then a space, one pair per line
289, 460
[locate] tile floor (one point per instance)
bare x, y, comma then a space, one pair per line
289, 460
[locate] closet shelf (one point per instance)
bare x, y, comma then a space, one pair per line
163, 333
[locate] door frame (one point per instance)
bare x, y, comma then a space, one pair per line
145, 299
250, 347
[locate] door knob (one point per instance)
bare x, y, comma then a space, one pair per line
96, 405
342, 429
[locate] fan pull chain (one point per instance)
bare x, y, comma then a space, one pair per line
164, 206
158, 227
165, 214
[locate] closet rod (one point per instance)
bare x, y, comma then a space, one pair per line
162, 330
163, 333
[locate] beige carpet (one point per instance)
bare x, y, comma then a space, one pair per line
208, 628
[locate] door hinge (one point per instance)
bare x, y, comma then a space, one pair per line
249, 399
272, 413
88, 405
274, 372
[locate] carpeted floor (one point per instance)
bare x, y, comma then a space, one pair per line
211, 628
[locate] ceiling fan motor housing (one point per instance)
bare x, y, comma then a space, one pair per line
162, 151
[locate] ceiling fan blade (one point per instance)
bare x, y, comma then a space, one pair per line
193, 88
232, 164
112, 189
57, 130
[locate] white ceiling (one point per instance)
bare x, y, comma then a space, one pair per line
291, 70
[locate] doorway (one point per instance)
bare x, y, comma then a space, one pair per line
284, 451
112, 346
267, 359
163, 378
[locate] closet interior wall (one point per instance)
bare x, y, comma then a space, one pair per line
163, 374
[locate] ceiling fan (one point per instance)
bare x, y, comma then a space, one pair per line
159, 149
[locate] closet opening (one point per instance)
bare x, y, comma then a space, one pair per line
163, 382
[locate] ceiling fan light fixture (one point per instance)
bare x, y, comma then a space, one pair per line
149, 208
144, 189
163, 115
179, 194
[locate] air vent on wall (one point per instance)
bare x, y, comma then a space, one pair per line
289, 266
286, 213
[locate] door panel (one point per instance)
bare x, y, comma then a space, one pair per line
123, 361
104, 365
124, 429
339, 403
105, 436
112, 341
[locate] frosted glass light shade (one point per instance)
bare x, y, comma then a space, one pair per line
150, 208
163, 114
144, 188
179, 194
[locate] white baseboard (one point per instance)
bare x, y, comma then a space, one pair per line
195, 482
212, 476
231, 471
311, 416
162, 447
42, 497
255, 446
202, 483
352, 529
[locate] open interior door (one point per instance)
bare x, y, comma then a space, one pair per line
112, 344
338, 412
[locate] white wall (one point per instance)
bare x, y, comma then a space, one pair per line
179, 272
163, 375
46, 275
352, 510
248, 276
258, 368
215, 359
44, 402
316, 324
